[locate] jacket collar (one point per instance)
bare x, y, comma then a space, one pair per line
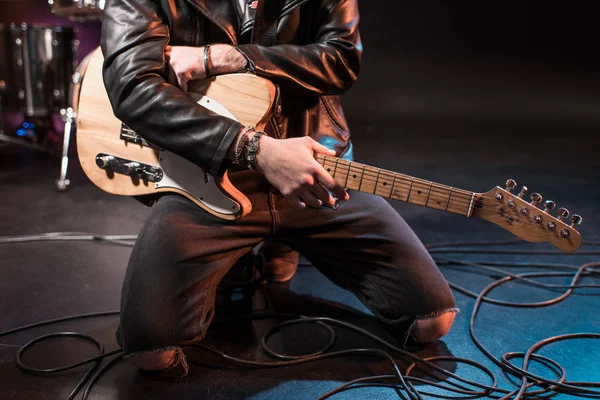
224, 14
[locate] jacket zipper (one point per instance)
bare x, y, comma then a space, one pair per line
286, 10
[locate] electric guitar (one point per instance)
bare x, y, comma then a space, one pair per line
119, 161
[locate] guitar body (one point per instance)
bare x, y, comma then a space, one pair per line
101, 137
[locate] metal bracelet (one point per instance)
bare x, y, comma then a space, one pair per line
206, 55
252, 149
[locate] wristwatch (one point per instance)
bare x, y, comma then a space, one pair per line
252, 147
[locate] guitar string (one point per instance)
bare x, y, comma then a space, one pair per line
401, 183
456, 199
460, 193
390, 175
453, 198
453, 202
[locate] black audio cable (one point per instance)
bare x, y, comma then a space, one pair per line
402, 383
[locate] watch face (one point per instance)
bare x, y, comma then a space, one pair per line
252, 146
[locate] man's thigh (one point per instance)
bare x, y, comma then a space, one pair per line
366, 247
180, 256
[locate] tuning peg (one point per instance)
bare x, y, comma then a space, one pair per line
536, 198
562, 213
522, 192
510, 185
549, 205
576, 220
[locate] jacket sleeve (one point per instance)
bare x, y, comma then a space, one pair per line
135, 74
328, 66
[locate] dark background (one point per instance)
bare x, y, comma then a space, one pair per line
523, 61
558, 32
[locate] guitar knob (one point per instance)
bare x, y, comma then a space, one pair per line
549, 206
510, 185
104, 162
562, 213
522, 192
576, 220
536, 198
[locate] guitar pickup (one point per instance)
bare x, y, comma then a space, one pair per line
129, 135
127, 167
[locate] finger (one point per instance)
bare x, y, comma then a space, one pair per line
319, 148
323, 176
322, 194
341, 193
309, 199
296, 202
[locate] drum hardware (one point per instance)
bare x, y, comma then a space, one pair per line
78, 10
68, 115
38, 64
44, 60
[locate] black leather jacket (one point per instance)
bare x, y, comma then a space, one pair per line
316, 58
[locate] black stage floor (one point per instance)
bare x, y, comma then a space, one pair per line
45, 280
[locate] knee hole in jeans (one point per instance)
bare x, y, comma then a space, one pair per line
426, 330
155, 361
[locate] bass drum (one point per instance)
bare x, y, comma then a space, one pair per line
44, 58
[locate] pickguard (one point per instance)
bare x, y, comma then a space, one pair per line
184, 175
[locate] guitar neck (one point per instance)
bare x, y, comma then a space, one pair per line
396, 186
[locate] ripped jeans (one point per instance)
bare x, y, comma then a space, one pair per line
183, 252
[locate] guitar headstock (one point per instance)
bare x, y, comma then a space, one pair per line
526, 220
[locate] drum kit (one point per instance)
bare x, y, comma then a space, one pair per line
41, 76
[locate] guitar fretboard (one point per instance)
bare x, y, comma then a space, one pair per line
396, 186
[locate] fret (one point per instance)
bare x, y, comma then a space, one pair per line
428, 193
347, 174
335, 168
412, 180
323, 160
353, 179
329, 169
376, 180
449, 197
362, 174
392, 188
